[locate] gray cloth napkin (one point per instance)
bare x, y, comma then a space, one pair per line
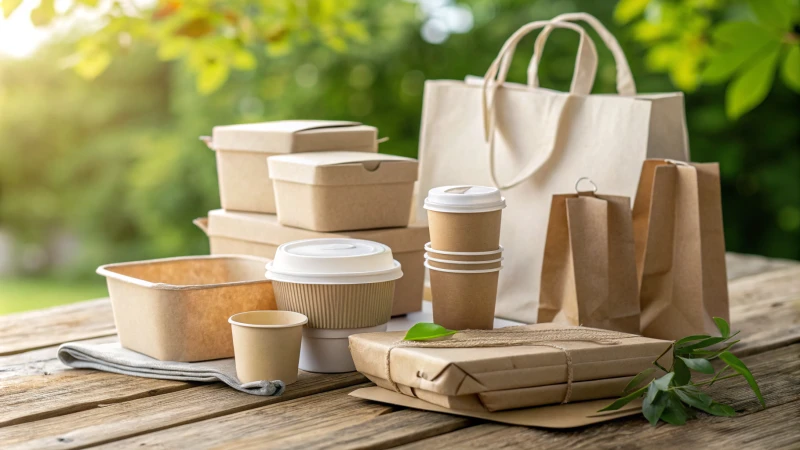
113, 358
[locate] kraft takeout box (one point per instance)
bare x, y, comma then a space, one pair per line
336, 191
261, 234
462, 371
242, 150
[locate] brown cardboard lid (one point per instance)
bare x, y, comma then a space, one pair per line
288, 136
265, 229
342, 168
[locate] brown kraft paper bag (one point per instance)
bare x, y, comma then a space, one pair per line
680, 248
589, 266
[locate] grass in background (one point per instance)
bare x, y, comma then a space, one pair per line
24, 294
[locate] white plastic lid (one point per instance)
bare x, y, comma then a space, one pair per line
464, 199
333, 261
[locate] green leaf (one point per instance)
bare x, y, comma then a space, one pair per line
682, 374
674, 411
620, 402
739, 32
92, 63
698, 400
662, 384
790, 71
424, 331
279, 47
737, 365
722, 326
638, 380
9, 6
243, 60
771, 13
702, 344
172, 48
718, 409
698, 365
211, 77
44, 13
752, 85
653, 405
687, 339
628, 10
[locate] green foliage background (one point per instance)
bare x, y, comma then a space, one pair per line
116, 161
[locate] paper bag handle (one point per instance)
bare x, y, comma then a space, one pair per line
582, 80
625, 84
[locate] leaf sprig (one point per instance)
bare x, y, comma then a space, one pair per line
674, 397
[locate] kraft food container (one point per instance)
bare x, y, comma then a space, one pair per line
261, 234
241, 151
177, 309
337, 283
343, 190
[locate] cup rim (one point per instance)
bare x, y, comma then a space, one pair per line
437, 269
450, 261
301, 319
428, 248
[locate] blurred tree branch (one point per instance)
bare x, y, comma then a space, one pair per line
716, 41
212, 37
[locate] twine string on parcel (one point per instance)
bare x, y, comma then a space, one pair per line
521, 335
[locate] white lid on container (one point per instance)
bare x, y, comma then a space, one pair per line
464, 199
333, 261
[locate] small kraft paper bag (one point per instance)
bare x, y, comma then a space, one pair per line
680, 248
589, 266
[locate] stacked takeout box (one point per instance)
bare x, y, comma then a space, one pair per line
324, 179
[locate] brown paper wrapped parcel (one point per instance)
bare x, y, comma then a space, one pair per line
508, 377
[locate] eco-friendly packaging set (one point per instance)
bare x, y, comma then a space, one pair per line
343, 286
242, 150
589, 265
497, 378
680, 246
343, 191
177, 309
261, 234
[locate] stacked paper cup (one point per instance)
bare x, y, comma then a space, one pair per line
464, 256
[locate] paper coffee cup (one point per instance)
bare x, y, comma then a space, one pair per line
266, 345
464, 218
337, 283
464, 299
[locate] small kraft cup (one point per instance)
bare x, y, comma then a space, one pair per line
344, 286
266, 345
465, 218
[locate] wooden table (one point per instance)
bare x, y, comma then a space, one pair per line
46, 405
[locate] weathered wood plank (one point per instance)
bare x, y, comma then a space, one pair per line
265, 427
39, 362
136, 417
25, 399
741, 265
766, 309
386, 431
37, 329
778, 372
